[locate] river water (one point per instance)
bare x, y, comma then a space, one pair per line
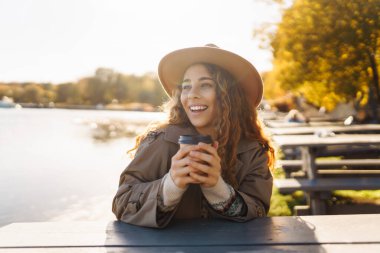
52, 169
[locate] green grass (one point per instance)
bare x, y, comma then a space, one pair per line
360, 196
282, 205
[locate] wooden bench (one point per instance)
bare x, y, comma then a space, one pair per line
290, 185
346, 151
326, 167
319, 190
334, 173
297, 164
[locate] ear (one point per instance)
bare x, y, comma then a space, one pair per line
215, 144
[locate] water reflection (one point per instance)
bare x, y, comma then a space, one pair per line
51, 167
108, 129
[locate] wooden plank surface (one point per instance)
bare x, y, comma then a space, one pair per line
331, 163
349, 172
282, 123
369, 128
295, 230
346, 248
292, 141
327, 184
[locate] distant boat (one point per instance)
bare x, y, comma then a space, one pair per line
7, 102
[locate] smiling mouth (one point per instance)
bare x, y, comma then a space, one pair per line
198, 108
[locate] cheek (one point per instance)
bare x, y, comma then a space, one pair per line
213, 100
183, 101
215, 110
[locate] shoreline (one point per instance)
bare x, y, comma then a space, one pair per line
132, 108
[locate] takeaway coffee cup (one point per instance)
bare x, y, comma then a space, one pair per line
185, 140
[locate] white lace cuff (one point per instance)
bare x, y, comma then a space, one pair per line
171, 194
219, 193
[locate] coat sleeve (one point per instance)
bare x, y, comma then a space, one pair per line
255, 187
140, 183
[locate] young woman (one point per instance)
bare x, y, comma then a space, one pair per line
213, 92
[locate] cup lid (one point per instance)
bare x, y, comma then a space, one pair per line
194, 139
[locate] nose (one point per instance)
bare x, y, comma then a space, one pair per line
193, 93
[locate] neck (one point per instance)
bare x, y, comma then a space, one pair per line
207, 131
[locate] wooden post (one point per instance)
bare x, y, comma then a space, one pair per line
317, 205
308, 158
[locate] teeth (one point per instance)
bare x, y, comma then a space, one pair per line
198, 108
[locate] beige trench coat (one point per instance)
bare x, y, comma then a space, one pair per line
137, 197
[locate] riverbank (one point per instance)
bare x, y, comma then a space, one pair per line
139, 107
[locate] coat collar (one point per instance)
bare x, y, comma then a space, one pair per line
172, 133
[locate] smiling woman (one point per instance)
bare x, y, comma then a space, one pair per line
213, 92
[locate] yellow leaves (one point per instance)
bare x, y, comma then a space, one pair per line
362, 96
331, 99
321, 94
359, 32
321, 49
272, 88
315, 49
354, 24
298, 47
370, 71
287, 55
344, 56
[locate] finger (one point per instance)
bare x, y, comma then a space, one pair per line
199, 178
182, 152
182, 182
191, 180
196, 155
181, 172
185, 173
208, 148
195, 166
177, 164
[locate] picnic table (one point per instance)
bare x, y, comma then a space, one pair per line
337, 233
310, 146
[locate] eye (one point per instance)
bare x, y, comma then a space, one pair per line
207, 85
186, 86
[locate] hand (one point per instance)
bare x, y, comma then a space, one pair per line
205, 165
180, 170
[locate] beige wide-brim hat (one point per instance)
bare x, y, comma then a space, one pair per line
173, 66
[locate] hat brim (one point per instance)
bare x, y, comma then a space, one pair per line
173, 66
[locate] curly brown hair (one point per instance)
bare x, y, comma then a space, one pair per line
237, 119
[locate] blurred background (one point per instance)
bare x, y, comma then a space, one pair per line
78, 82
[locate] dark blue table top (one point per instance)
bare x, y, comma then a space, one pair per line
273, 233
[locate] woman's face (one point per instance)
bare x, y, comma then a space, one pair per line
198, 98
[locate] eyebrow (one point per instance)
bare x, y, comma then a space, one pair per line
200, 79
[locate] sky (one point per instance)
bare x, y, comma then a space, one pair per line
64, 40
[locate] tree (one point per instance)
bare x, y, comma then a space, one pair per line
95, 90
33, 93
327, 49
118, 89
68, 93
